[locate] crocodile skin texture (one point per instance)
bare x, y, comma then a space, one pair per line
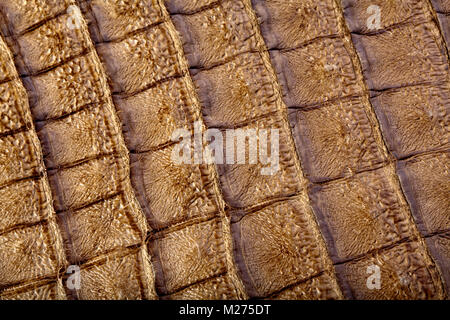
92, 91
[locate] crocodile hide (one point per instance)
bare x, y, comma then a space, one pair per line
91, 92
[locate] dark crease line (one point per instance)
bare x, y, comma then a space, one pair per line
23, 225
199, 10
50, 279
325, 181
222, 62
39, 24
105, 254
160, 233
409, 22
26, 285
245, 123
154, 149
436, 233
113, 253
85, 107
249, 37
73, 210
21, 129
240, 213
377, 251
309, 42
327, 103
6, 80
125, 95
438, 11
14, 181
129, 34
378, 166
81, 162
215, 276
84, 52
409, 85
299, 282
416, 155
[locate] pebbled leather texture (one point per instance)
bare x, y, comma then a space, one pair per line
91, 92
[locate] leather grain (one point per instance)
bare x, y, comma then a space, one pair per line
88, 106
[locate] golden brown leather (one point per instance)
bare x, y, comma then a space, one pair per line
87, 179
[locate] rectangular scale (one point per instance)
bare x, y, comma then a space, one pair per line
289, 24
425, 183
237, 91
52, 43
67, 88
404, 56
278, 246
337, 139
140, 60
155, 175
85, 183
256, 175
365, 16
317, 72
151, 117
116, 19
98, 229
197, 247
414, 119
373, 202
27, 254
212, 36
405, 272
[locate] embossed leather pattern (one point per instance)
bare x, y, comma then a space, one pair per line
91, 92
